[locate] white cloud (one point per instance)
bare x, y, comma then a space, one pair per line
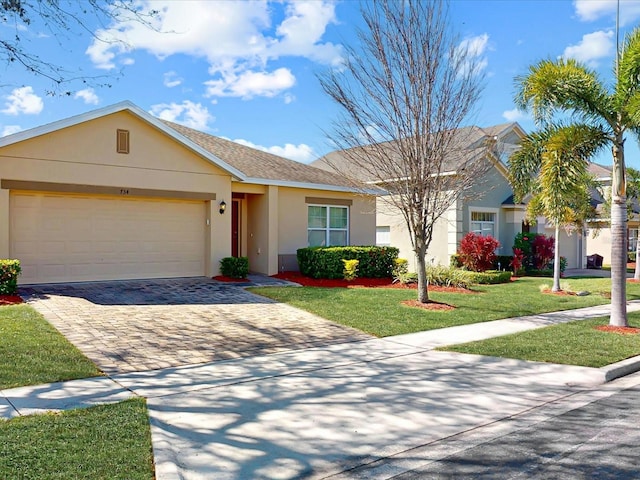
301, 153
10, 130
88, 95
187, 113
23, 101
590, 10
591, 48
171, 79
251, 84
474, 49
515, 115
237, 39
288, 98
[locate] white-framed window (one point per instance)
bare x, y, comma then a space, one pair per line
383, 236
327, 226
484, 222
632, 239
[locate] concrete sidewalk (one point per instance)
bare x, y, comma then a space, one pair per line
322, 411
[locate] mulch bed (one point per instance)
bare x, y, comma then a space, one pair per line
428, 306
619, 330
297, 277
10, 299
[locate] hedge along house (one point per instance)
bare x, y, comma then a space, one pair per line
116, 193
488, 209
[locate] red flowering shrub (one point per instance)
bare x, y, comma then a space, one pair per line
516, 261
477, 252
543, 248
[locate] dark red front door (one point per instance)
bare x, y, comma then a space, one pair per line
235, 228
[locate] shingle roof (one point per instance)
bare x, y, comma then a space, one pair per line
256, 164
463, 146
599, 171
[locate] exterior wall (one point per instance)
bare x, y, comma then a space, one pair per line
488, 195
444, 234
600, 244
389, 216
85, 154
293, 218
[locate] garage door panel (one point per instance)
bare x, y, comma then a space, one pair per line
66, 238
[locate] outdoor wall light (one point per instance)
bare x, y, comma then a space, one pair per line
223, 207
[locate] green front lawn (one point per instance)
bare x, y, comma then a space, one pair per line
379, 311
33, 352
575, 343
110, 441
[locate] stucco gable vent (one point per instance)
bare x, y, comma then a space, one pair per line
122, 141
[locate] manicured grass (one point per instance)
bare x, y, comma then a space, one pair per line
33, 352
379, 312
110, 441
575, 343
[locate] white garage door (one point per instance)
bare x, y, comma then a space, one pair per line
62, 238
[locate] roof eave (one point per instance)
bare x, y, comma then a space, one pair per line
311, 186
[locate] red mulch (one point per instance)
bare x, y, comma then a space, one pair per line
561, 293
297, 277
620, 330
222, 278
10, 299
631, 280
428, 306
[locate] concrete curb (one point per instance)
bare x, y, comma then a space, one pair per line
621, 369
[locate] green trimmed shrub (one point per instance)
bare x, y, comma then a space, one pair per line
350, 271
326, 262
490, 277
631, 257
447, 276
9, 271
235, 267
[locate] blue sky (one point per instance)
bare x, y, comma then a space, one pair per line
247, 70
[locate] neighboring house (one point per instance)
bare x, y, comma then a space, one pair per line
489, 209
116, 193
597, 235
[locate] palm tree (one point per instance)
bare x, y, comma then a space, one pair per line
567, 86
552, 167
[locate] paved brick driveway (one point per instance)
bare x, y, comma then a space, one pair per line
149, 324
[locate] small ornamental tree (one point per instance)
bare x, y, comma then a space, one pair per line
543, 250
516, 261
477, 252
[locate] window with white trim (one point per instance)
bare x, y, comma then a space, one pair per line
327, 226
483, 223
383, 236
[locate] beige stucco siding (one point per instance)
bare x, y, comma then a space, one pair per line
600, 244
293, 219
444, 233
85, 154
488, 195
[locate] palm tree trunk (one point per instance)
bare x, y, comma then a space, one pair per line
556, 261
618, 240
636, 274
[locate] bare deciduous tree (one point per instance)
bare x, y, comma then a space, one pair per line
62, 20
404, 92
